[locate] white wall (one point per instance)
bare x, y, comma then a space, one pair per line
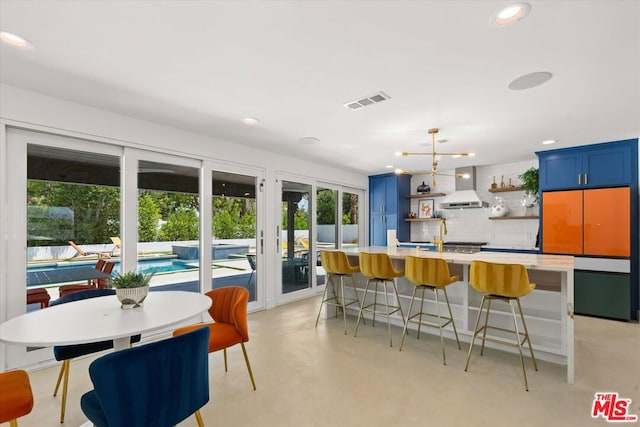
474, 224
32, 110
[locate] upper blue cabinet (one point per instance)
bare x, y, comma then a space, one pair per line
590, 166
388, 207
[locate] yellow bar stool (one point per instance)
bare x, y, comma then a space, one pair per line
432, 274
336, 264
502, 282
378, 269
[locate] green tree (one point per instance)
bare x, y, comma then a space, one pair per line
233, 218
181, 225
94, 212
326, 207
148, 218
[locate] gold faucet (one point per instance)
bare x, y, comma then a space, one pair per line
442, 230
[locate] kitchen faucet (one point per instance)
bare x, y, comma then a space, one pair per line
442, 230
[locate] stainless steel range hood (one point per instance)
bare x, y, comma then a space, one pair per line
465, 195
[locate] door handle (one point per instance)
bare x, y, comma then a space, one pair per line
579, 179
585, 179
570, 310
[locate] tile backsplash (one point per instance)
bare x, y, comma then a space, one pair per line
474, 224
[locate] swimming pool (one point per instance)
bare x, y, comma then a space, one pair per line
160, 264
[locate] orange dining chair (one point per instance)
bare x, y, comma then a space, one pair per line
106, 268
16, 398
71, 289
229, 312
38, 296
99, 266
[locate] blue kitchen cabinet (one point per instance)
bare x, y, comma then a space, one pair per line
590, 166
599, 166
388, 206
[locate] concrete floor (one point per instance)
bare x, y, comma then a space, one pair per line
308, 376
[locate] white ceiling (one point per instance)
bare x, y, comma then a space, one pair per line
205, 65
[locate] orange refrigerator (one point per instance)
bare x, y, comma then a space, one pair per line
587, 222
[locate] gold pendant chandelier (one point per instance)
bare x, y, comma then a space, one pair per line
435, 156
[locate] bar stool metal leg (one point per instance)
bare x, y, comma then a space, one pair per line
363, 307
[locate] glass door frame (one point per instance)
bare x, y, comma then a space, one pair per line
281, 297
129, 205
339, 232
210, 166
14, 303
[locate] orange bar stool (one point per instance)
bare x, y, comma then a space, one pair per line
336, 264
502, 282
16, 398
432, 274
379, 270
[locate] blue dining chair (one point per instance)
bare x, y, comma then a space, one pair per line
64, 353
157, 384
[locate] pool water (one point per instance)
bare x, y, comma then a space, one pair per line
154, 265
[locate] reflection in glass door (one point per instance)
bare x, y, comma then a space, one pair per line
327, 228
350, 219
294, 236
168, 225
235, 251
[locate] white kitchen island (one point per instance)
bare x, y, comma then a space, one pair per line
548, 309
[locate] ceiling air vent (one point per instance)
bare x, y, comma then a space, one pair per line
369, 100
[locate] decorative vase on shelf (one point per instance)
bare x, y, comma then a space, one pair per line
423, 188
528, 201
499, 208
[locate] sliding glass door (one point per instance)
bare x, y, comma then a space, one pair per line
294, 236
63, 211
237, 250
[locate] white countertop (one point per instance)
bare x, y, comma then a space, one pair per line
535, 261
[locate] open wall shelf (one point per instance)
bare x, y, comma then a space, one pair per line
505, 189
515, 217
424, 196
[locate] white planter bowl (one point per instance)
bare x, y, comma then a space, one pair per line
132, 297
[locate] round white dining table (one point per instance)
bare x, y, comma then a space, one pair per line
101, 319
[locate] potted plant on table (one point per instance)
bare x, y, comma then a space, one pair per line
131, 288
530, 185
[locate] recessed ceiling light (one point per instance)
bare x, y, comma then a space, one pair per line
250, 121
390, 166
15, 40
549, 141
308, 140
530, 80
510, 14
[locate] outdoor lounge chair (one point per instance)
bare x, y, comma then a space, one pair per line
82, 252
117, 244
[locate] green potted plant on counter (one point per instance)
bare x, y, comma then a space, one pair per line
530, 184
131, 288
